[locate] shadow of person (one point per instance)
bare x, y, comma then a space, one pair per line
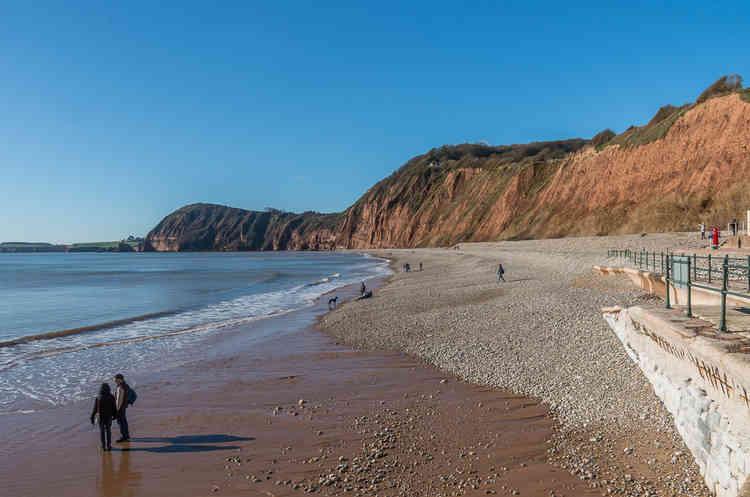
117, 483
193, 439
178, 448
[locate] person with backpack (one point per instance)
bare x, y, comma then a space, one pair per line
104, 406
124, 396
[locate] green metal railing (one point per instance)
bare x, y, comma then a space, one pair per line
693, 271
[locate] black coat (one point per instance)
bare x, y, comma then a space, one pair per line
104, 404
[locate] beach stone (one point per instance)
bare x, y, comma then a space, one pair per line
540, 334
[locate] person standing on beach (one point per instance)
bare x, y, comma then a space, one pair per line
420, 267
500, 273
104, 406
362, 288
121, 404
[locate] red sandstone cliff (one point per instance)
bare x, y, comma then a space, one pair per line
689, 164
698, 171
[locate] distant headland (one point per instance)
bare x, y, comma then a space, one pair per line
129, 244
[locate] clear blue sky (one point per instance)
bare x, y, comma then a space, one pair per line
112, 117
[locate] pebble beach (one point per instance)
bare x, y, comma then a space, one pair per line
540, 334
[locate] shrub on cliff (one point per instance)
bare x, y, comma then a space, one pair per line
722, 86
602, 137
663, 113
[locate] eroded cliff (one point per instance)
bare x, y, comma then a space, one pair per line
217, 227
688, 164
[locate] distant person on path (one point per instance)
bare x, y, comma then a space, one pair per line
104, 406
500, 273
420, 267
716, 237
121, 403
703, 231
362, 288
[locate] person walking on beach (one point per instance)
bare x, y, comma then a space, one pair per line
703, 231
500, 273
362, 288
121, 403
104, 406
420, 267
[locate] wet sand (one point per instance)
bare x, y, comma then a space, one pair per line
231, 423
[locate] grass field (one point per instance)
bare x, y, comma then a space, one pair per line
103, 244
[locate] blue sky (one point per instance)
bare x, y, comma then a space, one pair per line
112, 117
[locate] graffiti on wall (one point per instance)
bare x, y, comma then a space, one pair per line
710, 373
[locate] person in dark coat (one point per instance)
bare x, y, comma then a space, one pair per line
500, 273
104, 406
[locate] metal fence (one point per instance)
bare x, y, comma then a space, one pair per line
694, 271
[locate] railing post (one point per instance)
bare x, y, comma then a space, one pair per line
709, 268
725, 271
695, 267
653, 261
690, 303
667, 285
748, 273
661, 254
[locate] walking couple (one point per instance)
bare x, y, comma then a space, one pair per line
110, 407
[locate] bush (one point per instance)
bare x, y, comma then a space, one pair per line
663, 113
602, 137
722, 86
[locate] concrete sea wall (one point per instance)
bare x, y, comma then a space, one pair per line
701, 382
655, 284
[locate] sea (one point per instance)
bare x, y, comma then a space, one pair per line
70, 320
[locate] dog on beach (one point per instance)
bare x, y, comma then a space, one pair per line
332, 302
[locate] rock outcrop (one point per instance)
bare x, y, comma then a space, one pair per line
217, 227
689, 164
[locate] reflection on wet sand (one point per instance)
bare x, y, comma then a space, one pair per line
120, 481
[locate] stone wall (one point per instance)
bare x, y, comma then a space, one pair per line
706, 388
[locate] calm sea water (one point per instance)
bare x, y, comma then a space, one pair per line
192, 294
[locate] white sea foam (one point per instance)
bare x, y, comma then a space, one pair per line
56, 371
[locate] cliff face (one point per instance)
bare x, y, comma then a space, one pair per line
453, 194
699, 170
216, 227
689, 164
